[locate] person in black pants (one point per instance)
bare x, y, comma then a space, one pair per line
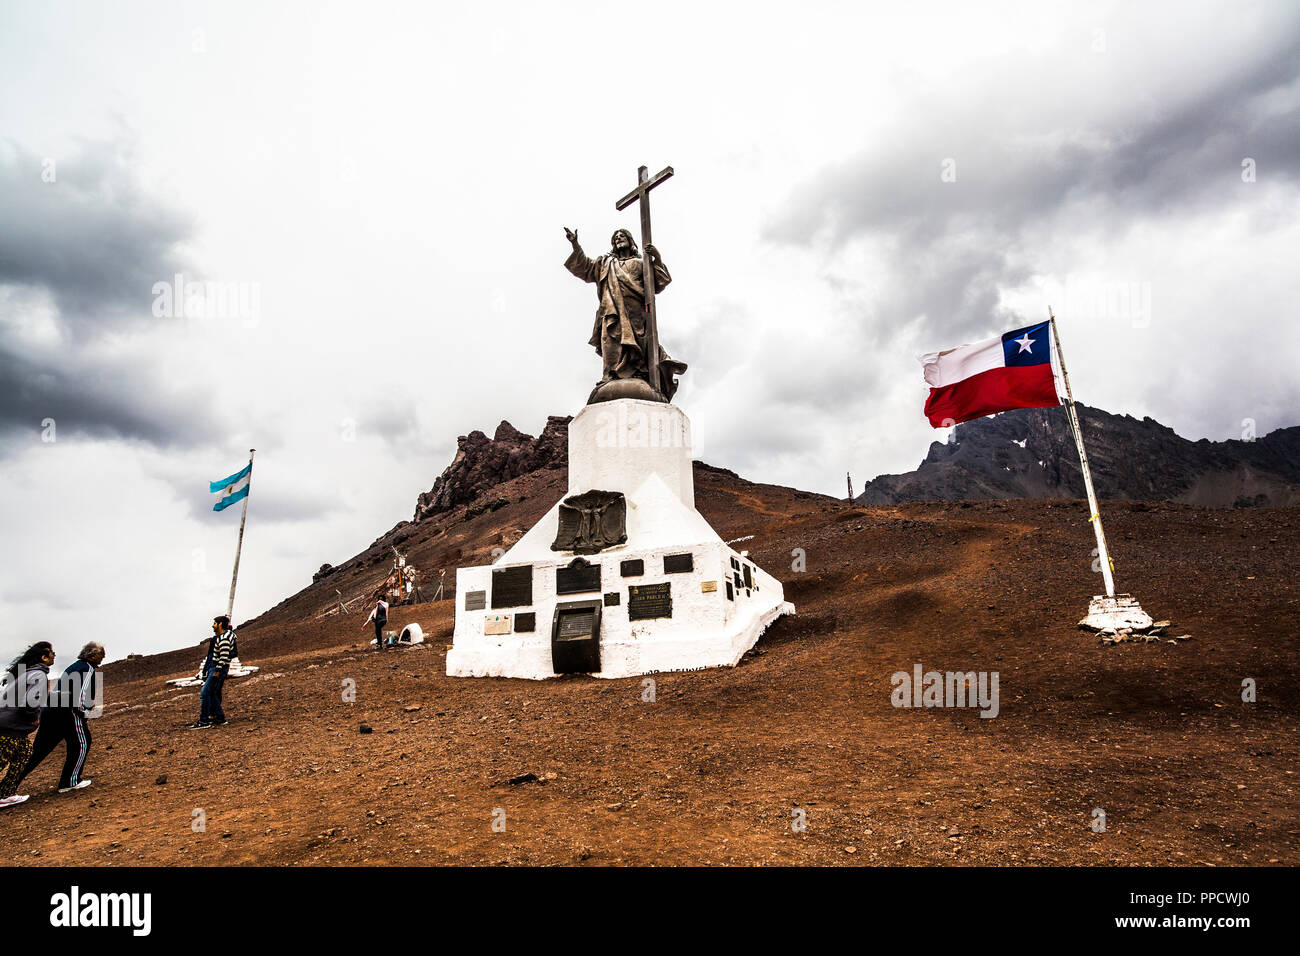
64, 719
378, 614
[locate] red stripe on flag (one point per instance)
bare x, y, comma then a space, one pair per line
995, 390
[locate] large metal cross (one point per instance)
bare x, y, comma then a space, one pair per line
642, 193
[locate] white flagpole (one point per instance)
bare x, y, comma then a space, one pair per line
234, 577
1094, 513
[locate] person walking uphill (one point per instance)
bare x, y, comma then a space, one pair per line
26, 687
378, 614
64, 719
221, 648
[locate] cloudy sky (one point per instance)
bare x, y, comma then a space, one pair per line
379, 191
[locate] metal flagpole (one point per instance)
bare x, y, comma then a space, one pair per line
230, 605
1103, 553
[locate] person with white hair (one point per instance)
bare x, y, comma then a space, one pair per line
75, 700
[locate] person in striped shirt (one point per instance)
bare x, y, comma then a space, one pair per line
221, 648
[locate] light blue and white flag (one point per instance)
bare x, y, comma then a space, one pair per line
232, 489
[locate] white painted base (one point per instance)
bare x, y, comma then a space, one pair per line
643, 450
1121, 612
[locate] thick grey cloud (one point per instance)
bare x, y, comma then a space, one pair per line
1027, 151
1057, 160
1028, 157
78, 259
94, 237
95, 397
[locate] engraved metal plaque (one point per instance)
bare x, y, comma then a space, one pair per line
525, 622
576, 624
496, 624
646, 601
677, 563
512, 587
578, 576
612, 599
632, 568
591, 522
708, 587
475, 600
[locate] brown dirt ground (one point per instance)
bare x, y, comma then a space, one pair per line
712, 771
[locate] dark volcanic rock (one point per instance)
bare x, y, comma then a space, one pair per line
1030, 453
482, 463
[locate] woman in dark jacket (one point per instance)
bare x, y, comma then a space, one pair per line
26, 687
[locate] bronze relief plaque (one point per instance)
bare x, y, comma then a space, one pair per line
591, 522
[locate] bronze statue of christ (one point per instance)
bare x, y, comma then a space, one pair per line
620, 332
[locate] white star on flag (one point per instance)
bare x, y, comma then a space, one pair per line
1026, 344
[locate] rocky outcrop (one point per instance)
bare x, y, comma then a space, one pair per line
1030, 453
482, 463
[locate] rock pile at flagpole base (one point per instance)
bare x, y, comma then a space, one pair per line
1121, 612
1120, 619
622, 577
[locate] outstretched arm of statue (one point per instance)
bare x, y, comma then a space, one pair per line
578, 263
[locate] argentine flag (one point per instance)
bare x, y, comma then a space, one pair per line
232, 489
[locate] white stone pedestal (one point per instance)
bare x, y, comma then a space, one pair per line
1113, 614
720, 600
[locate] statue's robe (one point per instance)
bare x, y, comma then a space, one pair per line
619, 332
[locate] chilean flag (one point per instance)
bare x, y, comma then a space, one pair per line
1011, 370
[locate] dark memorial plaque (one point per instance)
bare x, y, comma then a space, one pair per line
749, 582
575, 637
612, 599
512, 587
591, 522
632, 568
475, 600
731, 595
525, 622
646, 601
576, 624
677, 563
578, 576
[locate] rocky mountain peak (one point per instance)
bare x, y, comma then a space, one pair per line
482, 463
